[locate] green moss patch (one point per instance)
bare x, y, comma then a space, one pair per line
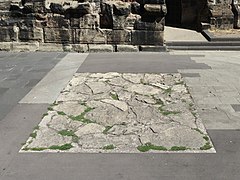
109, 147
178, 148
63, 147
149, 146
206, 146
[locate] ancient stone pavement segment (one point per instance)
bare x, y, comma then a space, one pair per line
121, 112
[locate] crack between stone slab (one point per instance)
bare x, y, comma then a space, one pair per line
88, 87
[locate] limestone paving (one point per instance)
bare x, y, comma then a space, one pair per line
121, 112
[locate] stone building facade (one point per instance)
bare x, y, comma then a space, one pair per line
76, 25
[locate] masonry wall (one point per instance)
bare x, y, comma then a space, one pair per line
81, 25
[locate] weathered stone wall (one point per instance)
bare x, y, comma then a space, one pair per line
222, 16
77, 24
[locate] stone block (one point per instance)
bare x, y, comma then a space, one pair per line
88, 21
50, 47
154, 8
8, 34
118, 36
57, 35
100, 48
147, 37
90, 36
28, 33
57, 21
5, 46
25, 46
153, 48
127, 48
131, 19
119, 22
81, 48
155, 26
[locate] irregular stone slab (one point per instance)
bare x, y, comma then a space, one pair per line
143, 89
91, 128
115, 112
118, 104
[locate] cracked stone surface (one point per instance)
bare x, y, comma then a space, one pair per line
121, 112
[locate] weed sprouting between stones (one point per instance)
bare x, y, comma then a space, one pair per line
45, 114
50, 109
61, 113
206, 146
167, 112
54, 147
33, 134
114, 96
63, 147
109, 147
178, 148
107, 128
36, 127
167, 91
149, 146
66, 133
81, 116
206, 138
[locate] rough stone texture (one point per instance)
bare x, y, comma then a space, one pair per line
79, 22
222, 15
115, 112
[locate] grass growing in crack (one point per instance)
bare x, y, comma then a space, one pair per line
66, 133
178, 148
167, 91
206, 138
63, 147
107, 128
194, 114
36, 127
198, 130
114, 96
191, 104
81, 116
206, 146
83, 103
54, 104
149, 146
109, 147
167, 112
61, 113
179, 83
45, 114
35, 149
158, 101
33, 134
50, 108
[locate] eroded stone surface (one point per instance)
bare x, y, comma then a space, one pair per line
114, 112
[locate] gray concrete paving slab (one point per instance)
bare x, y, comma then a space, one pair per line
47, 90
138, 62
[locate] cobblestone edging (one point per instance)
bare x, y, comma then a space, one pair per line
113, 112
